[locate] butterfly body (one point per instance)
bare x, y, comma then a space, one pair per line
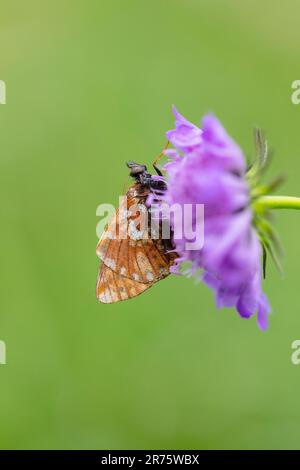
132, 264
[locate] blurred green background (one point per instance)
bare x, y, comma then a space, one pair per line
90, 84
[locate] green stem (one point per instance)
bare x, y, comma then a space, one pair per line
276, 202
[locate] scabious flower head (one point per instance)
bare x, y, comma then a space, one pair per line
207, 167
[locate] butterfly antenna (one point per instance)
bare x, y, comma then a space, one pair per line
159, 157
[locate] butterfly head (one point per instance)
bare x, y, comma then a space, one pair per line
141, 176
136, 169
139, 173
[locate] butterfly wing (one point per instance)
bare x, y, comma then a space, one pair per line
142, 259
111, 287
129, 265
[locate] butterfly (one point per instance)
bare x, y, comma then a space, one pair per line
132, 264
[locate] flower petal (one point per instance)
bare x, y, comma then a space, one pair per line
186, 136
219, 147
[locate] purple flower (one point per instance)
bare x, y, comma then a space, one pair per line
208, 168
186, 136
219, 148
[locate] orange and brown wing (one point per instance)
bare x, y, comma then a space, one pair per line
141, 260
111, 287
